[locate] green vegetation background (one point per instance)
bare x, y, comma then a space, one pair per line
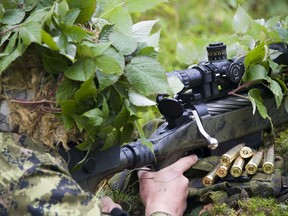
194, 21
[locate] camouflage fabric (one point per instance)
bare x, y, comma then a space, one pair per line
34, 180
228, 190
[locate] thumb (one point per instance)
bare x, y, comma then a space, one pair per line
184, 163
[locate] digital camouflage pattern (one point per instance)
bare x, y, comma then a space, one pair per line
34, 180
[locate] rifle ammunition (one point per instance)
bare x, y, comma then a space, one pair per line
211, 177
252, 166
269, 160
222, 171
230, 155
237, 168
246, 152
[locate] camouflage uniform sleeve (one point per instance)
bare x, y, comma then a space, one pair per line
35, 181
44, 190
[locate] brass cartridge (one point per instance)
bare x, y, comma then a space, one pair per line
237, 167
230, 155
246, 152
211, 177
222, 171
269, 160
252, 166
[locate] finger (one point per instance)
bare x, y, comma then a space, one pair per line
184, 163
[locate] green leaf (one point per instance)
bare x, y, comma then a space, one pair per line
82, 70
255, 56
68, 107
7, 60
272, 22
94, 117
146, 76
117, 14
48, 40
106, 80
257, 102
79, 165
127, 132
140, 100
28, 5
186, 53
108, 64
255, 72
92, 50
105, 31
66, 90
13, 16
241, 21
142, 29
146, 51
125, 44
153, 40
277, 91
110, 135
87, 8
175, 84
86, 91
142, 5
71, 17
122, 118
75, 33
30, 33
54, 63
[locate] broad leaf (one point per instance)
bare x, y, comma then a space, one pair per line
127, 133
66, 90
257, 102
255, 72
86, 91
241, 21
153, 40
125, 44
48, 40
186, 53
140, 100
108, 64
94, 117
75, 33
146, 76
92, 50
142, 29
277, 91
13, 16
87, 8
7, 60
255, 56
30, 33
82, 70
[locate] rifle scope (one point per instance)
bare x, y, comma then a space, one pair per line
205, 78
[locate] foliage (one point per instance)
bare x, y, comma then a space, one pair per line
105, 65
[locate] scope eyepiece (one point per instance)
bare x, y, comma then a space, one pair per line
216, 51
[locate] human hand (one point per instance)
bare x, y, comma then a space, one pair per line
166, 190
108, 204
